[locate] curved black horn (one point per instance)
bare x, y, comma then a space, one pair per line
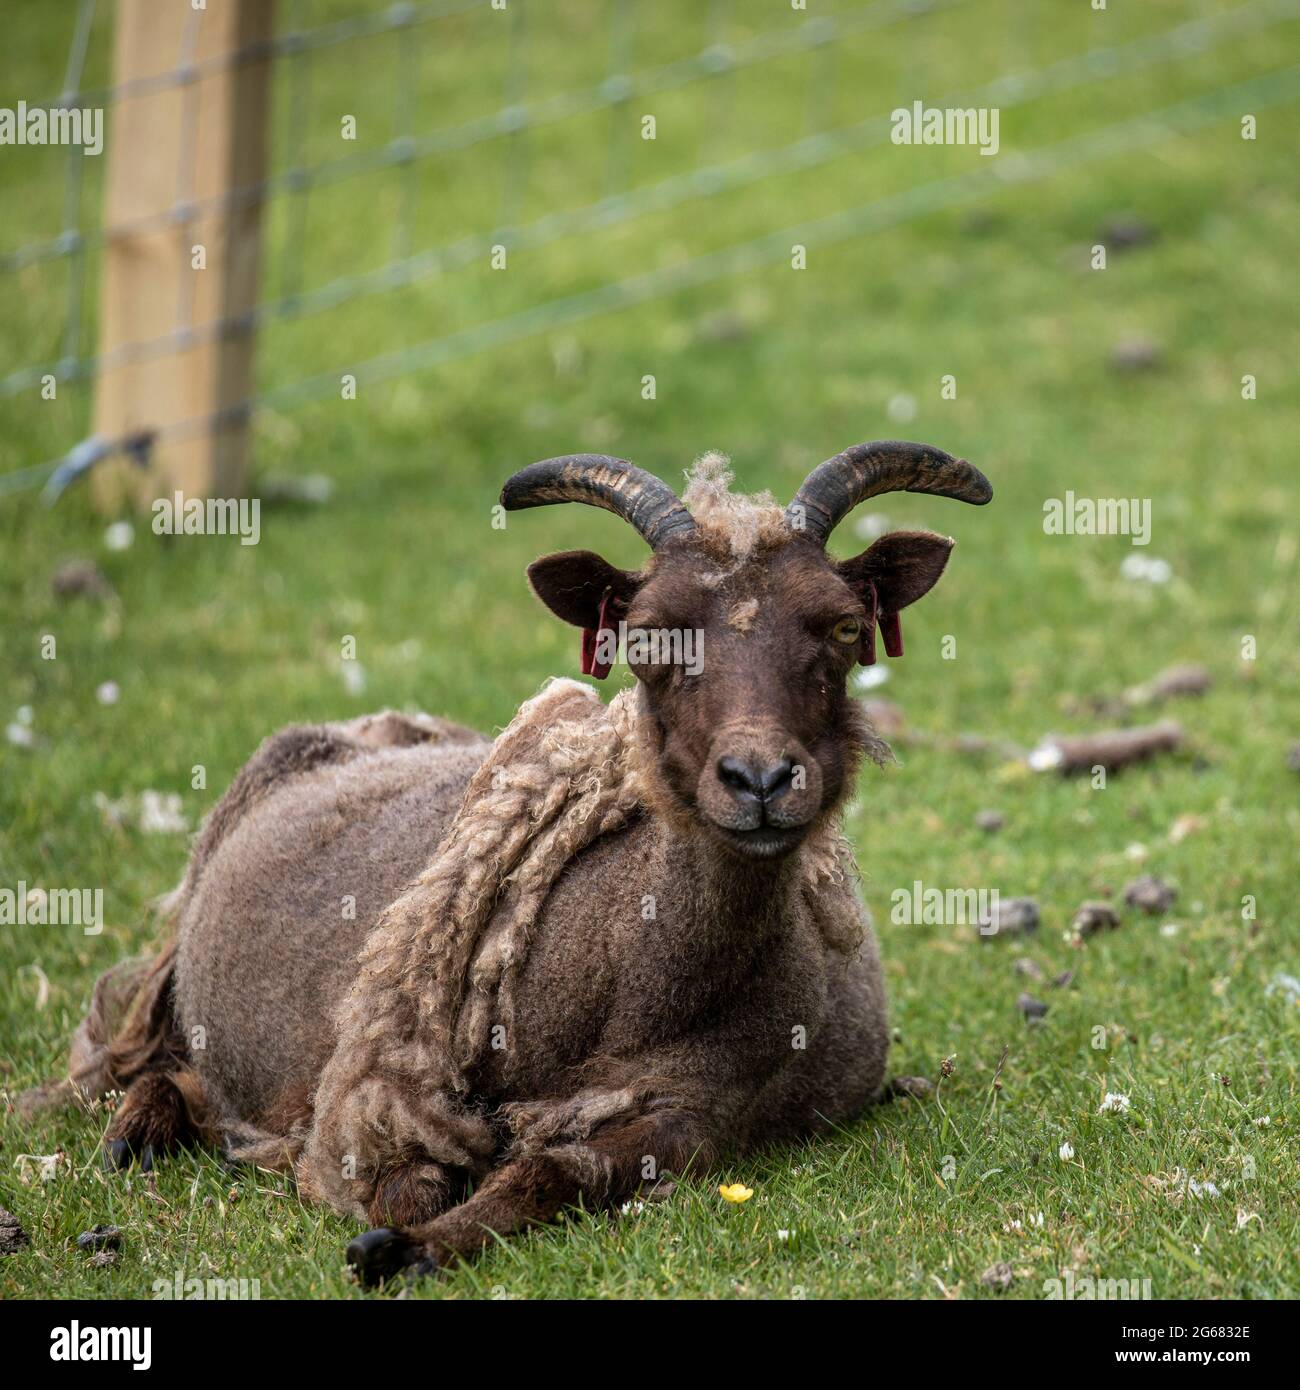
835, 487
600, 481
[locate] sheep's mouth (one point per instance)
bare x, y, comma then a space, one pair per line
763, 841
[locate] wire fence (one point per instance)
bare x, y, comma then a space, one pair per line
509, 127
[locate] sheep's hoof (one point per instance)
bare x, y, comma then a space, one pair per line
379, 1255
117, 1155
120, 1154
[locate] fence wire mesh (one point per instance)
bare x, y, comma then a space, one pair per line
527, 127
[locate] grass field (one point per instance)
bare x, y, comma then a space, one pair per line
981, 275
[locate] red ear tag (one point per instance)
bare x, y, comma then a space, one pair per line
590, 636
868, 657
892, 631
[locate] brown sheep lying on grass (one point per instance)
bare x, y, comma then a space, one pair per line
409, 962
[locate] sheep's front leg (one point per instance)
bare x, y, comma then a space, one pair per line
409, 1194
610, 1165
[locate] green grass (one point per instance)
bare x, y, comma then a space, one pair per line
214, 645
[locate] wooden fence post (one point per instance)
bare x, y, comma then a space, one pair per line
176, 146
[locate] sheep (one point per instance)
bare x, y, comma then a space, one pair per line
612, 945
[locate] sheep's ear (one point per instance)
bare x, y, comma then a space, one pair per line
904, 566
576, 583
897, 570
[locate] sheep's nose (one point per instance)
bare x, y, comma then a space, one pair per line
765, 783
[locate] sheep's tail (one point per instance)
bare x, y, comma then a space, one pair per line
129, 1030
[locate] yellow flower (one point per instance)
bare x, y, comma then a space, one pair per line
737, 1192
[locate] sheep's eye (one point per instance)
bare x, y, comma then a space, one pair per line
847, 630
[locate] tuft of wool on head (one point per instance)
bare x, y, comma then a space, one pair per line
735, 523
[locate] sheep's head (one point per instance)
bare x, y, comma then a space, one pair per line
741, 629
